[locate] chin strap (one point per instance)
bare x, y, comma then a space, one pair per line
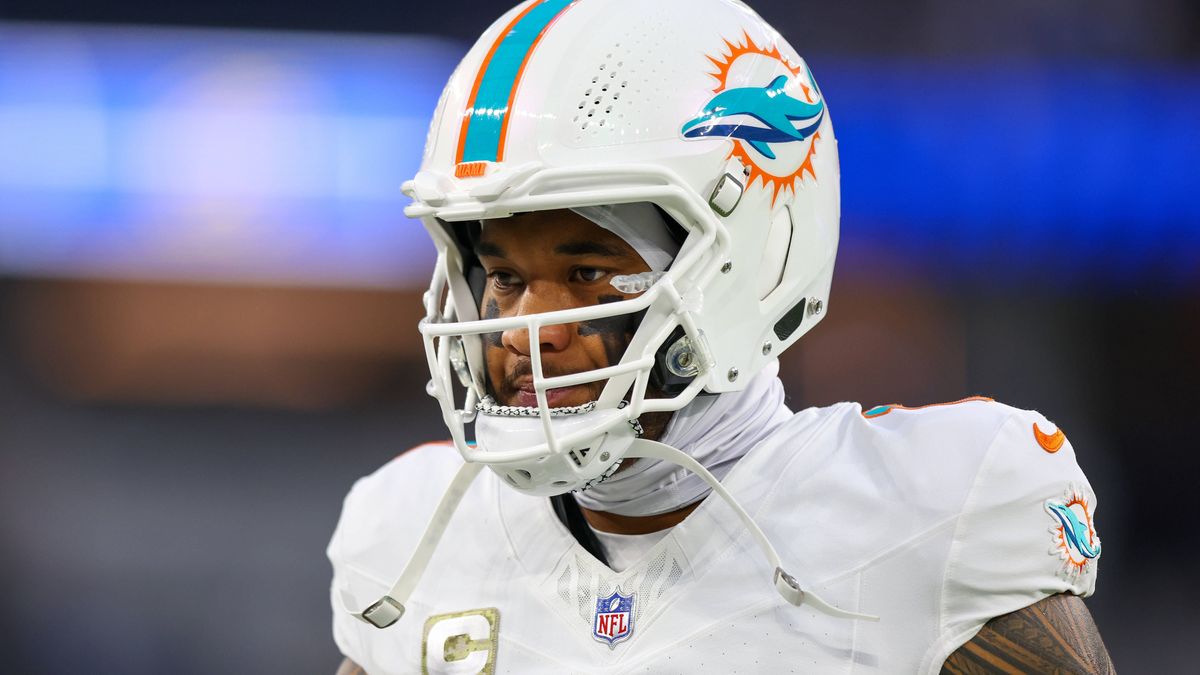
785, 583
388, 609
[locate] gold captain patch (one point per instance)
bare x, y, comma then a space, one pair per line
461, 642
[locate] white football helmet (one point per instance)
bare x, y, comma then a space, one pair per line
697, 106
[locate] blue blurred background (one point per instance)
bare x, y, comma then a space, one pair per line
208, 290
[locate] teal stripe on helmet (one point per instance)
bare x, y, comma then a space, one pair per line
489, 110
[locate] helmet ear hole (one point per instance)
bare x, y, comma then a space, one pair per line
662, 376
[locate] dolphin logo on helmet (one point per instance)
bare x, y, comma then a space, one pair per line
727, 113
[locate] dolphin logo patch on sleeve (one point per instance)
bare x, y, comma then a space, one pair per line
1073, 533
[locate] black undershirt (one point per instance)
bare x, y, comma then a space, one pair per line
569, 513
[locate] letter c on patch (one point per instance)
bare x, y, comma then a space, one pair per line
461, 643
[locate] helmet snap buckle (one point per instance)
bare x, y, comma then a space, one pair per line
384, 612
726, 195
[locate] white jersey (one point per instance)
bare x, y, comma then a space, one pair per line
934, 519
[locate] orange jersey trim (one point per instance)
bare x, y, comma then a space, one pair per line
1051, 443
881, 410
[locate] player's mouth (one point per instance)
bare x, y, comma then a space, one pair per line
555, 398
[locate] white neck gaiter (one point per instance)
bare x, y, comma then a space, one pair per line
716, 430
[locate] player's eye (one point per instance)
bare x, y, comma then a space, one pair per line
589, 275
503, 281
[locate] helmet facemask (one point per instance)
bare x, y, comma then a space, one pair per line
655, 356
613, 103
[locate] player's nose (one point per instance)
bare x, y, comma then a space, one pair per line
551, 338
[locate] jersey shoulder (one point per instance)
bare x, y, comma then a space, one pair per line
369, 535
968, 419
955, 439
382, 518
415, 469
1021, 508
978, 505
897, 472
934, 452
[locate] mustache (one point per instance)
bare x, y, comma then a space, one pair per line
523, 368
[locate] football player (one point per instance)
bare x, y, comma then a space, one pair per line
635, 207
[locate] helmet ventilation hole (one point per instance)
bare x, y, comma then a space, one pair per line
594, 99
626, 85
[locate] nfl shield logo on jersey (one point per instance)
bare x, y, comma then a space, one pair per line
614, 618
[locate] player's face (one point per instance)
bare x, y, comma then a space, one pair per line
541, 262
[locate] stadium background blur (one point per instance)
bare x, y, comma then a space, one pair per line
208, 290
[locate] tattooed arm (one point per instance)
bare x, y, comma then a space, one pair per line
349, 667
1056, 635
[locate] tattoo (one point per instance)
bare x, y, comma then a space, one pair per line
492, 311
1056, 635
615, 331
349, 667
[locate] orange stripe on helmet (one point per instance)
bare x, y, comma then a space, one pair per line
512, 95
487, 59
